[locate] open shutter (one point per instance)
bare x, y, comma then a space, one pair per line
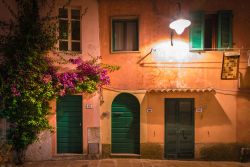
196, 36
225, 29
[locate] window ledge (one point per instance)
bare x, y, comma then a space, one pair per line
212, 50
69, 52
124, 52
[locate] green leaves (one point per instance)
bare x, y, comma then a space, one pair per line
88, 86
26, 96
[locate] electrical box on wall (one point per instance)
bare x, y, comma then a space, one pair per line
93, 140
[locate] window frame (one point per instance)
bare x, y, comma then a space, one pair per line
124, 18
69, 19
214, 30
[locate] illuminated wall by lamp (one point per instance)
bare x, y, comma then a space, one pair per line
179, 52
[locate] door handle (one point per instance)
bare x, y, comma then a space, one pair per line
183, 135
80, 124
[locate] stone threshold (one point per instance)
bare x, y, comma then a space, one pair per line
75, 156
117, 155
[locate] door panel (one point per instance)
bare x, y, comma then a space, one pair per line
125, 124
171, 128
179, 128
69, 121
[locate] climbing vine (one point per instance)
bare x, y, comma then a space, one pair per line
28, 78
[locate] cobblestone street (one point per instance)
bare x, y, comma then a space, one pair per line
133, 163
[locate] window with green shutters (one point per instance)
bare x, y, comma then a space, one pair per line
211, 31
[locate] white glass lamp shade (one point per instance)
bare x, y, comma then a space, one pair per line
179, 25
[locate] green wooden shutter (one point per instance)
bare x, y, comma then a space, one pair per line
224, 29
196, 36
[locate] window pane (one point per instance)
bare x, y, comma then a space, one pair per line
118, 36
63, 29
63, 45
171, 114
63, 13
185, 113
75, 27
125, 35
210, 31
76, 46
132, 38
75, 14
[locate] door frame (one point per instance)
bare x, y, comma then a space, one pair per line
165, 134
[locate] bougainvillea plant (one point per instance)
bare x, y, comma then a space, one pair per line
28, 78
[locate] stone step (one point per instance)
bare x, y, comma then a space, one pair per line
76, 157
134, 156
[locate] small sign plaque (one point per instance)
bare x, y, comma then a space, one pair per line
199, 109
149, 109
89, 106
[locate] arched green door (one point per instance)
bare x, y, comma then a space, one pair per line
125, 124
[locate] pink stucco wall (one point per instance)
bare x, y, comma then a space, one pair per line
45, 148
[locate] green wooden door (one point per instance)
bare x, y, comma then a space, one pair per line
69, 124
125, 124
179, 128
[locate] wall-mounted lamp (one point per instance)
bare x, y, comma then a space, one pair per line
179, 24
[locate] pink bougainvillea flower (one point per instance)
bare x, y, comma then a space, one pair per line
76, 61
62, 92
14, 91
67, 82
47, 78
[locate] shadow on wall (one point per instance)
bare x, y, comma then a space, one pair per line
244, 91
245, 80
213, 114
243, 105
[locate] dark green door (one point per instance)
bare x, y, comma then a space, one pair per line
69, 124
125, 124
179, 128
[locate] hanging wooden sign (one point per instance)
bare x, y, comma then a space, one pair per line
230, 65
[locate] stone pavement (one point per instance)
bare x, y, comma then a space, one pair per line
133, 163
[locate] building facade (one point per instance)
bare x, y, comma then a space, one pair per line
173, 96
